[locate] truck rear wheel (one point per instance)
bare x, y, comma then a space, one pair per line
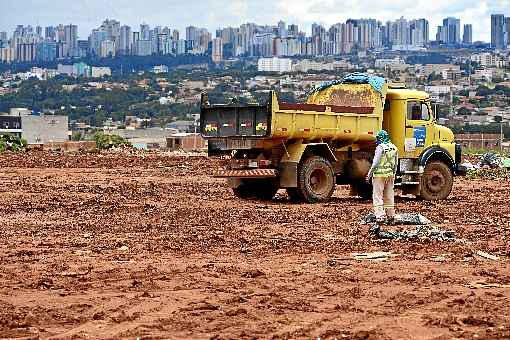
316, 180
436, 181
256, 188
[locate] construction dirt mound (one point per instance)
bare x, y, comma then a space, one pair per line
127, 245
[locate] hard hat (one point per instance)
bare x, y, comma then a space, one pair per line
382, 137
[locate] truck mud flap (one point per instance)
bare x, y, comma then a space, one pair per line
288, 174
252, 173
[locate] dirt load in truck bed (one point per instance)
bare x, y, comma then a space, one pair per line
126, 246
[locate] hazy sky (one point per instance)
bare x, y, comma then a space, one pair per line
212, 14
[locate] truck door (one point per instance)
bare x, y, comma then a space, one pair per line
418, 131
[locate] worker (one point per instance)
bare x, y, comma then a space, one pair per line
382, 175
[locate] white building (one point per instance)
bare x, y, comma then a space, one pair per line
98, 72
483, 75
160, 69
274, 65
489, 60
437, 90
311, 65
383, 63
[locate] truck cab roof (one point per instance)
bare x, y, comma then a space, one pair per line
403, 94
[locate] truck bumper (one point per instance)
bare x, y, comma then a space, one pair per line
251, 173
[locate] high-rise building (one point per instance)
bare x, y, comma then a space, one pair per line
112, 29
498, 31
60, 33
145, 32
46, 51
164, 43
175, 35
467, 37
25, 52
282, 29
451, 31
217, 50
245, 43
293, 31
507, 31
38, 31
95, 39
180, 47
107, 49
71, 40
419, 30
50, 33
143, 47
83, 48
7, 55
125, 40
440, 35
3, 37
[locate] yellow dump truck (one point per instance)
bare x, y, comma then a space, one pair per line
308, 148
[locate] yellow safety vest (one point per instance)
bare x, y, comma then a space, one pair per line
386, 167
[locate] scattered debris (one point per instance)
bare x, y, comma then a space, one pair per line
406, 218
438, 259
487, 255
489, 173
491, 160
378, 255
420, 232
75, 274
485, 285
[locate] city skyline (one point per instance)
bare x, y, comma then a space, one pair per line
177, 14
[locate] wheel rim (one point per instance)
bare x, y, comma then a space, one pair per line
319, 181
435, 181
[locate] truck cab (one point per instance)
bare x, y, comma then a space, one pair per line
428, 154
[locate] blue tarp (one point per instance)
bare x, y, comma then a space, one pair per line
354, 78
362, 78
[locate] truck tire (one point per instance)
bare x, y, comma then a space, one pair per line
316, 180
362, 189
259, 189
436, 181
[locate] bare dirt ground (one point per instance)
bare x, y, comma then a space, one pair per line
119, 246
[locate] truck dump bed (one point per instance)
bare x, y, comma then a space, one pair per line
233, 120
345, 112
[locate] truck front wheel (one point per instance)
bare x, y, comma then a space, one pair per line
436, 181
316, 180
255, 188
